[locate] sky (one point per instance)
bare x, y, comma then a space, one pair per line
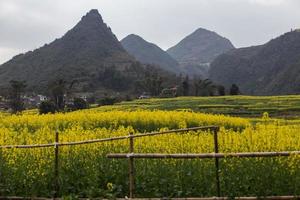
28, 24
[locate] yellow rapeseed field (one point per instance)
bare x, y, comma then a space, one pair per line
86, 172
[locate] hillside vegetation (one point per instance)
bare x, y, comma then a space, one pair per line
269, 69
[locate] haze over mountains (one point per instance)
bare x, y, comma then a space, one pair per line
191, 56
92, 55
269, 69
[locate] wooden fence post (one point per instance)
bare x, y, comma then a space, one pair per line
131, 167
216, 144
56, 174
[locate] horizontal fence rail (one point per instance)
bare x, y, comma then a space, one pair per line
204, 155
203, 198
203, 128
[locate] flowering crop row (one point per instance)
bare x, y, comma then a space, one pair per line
86, 172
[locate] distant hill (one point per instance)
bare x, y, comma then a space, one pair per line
199, 49
149, 53
269, 69
82, 54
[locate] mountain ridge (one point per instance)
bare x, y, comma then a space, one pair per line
269, 69
149, 53
197, 50
201, 46
81, 53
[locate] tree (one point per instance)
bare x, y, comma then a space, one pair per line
204, 87
71, 86
186, 86
79, 104
58, 90
234, 90
221, 90
17, 88
107, 101
47, 107
151, 82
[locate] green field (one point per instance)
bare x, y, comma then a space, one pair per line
243, 106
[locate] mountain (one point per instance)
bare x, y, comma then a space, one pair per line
149, 53
269, 69
82, 54
200, 48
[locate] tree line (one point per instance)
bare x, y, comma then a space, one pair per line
154, 81
205, 87
58, 91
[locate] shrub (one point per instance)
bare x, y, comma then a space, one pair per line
47, 107
234, 90
79, 104
221, 90
107, 101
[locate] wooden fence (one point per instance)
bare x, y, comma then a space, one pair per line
216, 155
131, 156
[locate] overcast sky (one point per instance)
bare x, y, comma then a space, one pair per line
29, 24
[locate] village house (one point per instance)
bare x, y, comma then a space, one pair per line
3, 103
32, 101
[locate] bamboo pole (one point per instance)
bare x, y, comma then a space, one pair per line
131, 167
206, 155
56, 173
189, 198
216, 145
203, 128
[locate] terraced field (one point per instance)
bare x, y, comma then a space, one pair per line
286, 107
